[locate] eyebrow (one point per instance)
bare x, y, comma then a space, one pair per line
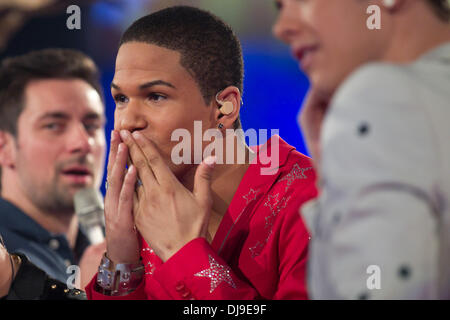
95, 116
148, 85
54, 115
65, 116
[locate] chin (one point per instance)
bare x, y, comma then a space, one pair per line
325, 83
74, 188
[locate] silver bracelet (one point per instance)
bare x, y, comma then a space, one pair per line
118, 279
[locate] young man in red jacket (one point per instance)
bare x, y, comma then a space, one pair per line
206, 228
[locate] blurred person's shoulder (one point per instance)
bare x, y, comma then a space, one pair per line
398, 87
379, 85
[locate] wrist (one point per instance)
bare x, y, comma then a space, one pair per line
123, 252
121, 259
168, 252
118, 279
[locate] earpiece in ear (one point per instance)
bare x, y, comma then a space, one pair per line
227, 108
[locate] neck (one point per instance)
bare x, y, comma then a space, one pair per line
225, 181
53, 222
414, 34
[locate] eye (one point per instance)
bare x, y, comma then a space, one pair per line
54, 126
92, 127
156, 97
120, 98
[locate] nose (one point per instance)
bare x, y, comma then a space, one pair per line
130, 118
80, 141
287, 24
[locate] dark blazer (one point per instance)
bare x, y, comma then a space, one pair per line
31, 283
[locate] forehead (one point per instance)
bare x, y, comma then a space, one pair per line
139, 61
71, 96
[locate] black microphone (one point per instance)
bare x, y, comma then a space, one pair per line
90, 211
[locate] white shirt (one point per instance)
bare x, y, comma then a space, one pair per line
381, 226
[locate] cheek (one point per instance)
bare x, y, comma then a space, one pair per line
99, 150
116, 119
342, 51
163, 137
39, 159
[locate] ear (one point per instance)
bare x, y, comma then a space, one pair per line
7, 149
231, 96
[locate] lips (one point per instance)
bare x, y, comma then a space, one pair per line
304, 55
77, 174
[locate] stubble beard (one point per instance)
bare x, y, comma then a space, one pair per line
52, 198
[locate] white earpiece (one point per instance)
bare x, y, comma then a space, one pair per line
226, 107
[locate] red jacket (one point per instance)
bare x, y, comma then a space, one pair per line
259, 250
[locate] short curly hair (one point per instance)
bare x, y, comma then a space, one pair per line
209, 49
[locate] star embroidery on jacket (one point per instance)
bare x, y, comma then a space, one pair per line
283, 203
296, 173
256, 249
269, 221
217, 273
250, 196
149, 268
272, 201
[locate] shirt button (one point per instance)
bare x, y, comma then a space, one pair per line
186, 294
179, 286
404, 272
337, 218
53, 244
363, 129
363, 296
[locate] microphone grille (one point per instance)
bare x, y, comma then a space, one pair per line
88, 200
89, 207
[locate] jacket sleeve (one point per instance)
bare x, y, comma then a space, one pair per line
92, 294
194, 272
197, 272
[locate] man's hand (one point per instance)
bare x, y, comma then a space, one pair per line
121, 236
168, 215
